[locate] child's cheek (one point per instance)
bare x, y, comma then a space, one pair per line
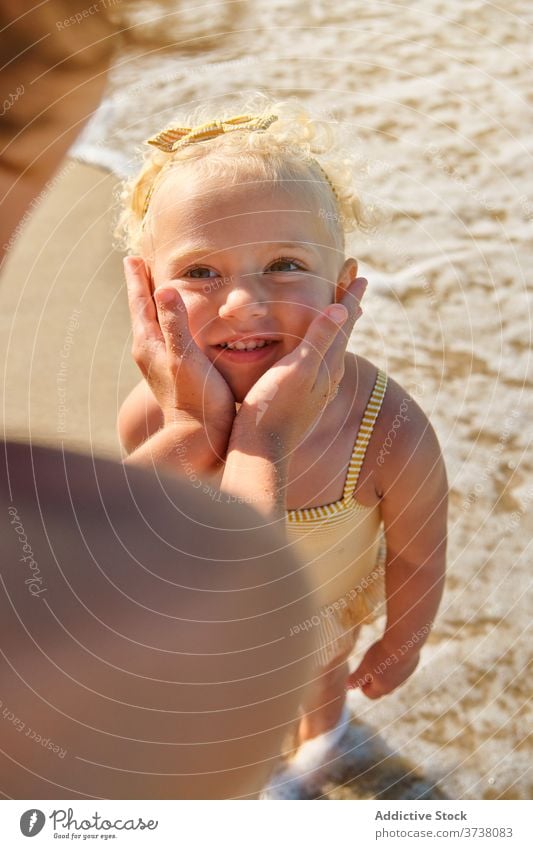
199, 314
314, 293
306, 312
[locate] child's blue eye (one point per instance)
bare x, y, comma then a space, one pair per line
285, 261
198, 277
198, 273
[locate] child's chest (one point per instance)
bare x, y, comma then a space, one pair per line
318, 468
319, 478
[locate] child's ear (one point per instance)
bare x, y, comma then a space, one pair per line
347, 275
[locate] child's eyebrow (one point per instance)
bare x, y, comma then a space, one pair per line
208, 251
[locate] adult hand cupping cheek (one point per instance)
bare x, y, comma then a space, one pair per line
191, 392
285, 402
289, 397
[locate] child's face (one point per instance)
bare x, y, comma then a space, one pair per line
253, 263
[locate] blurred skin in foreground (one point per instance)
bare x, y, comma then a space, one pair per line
51, 81
143, 652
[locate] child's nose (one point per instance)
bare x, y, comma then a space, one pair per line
244, 300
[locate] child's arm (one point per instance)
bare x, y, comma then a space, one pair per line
414, 508
195, 401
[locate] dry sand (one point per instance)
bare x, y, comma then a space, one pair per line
65, 325
439, 97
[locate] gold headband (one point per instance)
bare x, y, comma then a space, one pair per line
175, 138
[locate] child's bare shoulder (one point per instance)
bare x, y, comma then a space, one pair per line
403, 436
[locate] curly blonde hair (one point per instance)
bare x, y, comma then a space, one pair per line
295, 149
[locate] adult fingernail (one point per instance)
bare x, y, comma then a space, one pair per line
338, 314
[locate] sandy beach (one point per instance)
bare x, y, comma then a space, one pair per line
438, 98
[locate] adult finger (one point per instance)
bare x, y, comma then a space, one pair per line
173, 321
356, 289
141, 303
329, 333
352, 301
320, 335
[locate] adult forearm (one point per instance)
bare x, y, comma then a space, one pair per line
180, 448
256, 471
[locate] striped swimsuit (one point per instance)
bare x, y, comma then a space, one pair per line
344, 544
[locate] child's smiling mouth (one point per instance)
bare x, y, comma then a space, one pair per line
246, 349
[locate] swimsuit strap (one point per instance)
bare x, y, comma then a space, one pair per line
365, 432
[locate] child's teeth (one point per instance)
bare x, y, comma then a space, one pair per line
245, 346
